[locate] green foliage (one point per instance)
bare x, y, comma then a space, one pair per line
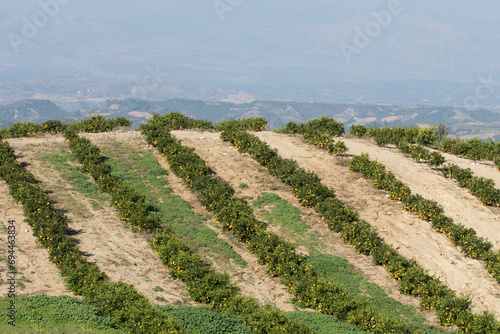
474, 148
426, 136
55, 314
254, 124
177, 121
441, 132
382, 136
205, 321
322, 323
22, 130
338, 149
291, 128
414, 280
324, 125
234, 215
358, 131
397, 135
145, 175
482, 188
339, 269
472, 245
71, 174
96, 123
311, 290
319, 132
203, 284
118, 300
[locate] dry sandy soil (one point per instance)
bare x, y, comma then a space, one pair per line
252, 279
121, 254
411, 236
486, 169
102, 237
35, 271
458, 202
241, 168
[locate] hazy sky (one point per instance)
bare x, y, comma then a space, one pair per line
276, 43
120, 9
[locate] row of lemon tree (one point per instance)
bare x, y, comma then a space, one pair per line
473, 149
204, 285
436, 137
131, 310
310, 289
414, 280
408, 141
465, 238
95, 123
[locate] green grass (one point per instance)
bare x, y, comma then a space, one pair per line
203, 320
42, 314
62, 163
323, 324
281, 213
3, 227
338, 269
474, 127
64, 314
277, 211
144, 173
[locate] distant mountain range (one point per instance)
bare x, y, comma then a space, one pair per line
36, 111
466, 123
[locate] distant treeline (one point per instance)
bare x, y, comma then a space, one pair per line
277, 113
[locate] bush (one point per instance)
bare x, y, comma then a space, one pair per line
482, 188
119, 301
358, 131
205, 321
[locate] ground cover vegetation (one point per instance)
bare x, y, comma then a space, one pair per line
117, 300
414, 280
204, 285
311, 290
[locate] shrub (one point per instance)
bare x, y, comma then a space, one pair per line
358, 131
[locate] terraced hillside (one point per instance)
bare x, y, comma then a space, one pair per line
107, 238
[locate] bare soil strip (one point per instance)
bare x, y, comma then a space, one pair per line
253, 279
35, 272
102, 237
239, 168
457, 202
411, 236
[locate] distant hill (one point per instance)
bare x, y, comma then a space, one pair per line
464, 122
36, 111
